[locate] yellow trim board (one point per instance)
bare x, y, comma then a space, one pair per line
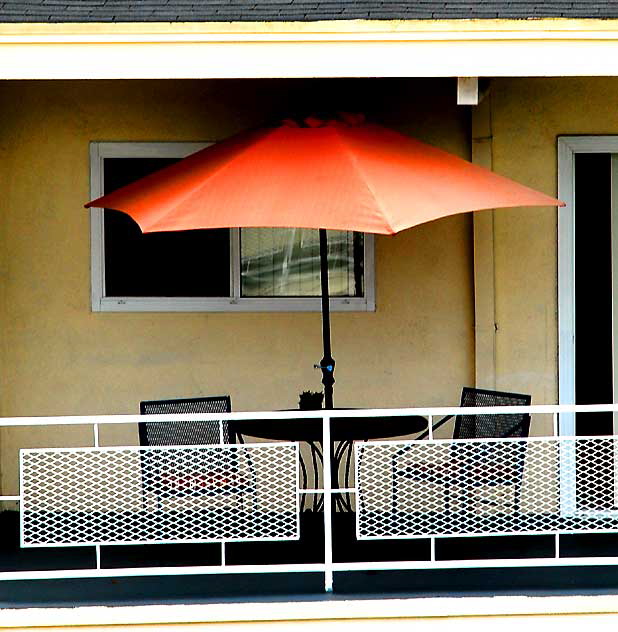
530, 26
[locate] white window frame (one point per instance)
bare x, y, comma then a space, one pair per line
99, 151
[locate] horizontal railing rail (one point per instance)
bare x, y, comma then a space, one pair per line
436, 411
106, 494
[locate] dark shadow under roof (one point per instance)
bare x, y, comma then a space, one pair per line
293, 10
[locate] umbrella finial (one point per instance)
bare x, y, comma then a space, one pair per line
352, 118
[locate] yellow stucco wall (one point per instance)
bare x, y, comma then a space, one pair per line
527, 117
57, 357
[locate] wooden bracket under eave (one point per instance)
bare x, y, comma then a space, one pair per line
469, 92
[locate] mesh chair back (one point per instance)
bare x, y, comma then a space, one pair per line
486, 465
496, 425
185, 432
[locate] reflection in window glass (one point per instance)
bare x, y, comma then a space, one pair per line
286, 262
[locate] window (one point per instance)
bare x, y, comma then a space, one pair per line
247, 269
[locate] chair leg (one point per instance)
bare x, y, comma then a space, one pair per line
394, 485
465, 497
395, 494
517, 498
255, 502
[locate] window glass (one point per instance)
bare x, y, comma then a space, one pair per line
211, 270
285, 262
184, 263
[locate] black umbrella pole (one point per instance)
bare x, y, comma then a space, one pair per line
328, 363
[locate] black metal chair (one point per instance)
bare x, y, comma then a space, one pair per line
226, 477
185, 432
469, 465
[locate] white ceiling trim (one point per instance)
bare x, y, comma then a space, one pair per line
305, 50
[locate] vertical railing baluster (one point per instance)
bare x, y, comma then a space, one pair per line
327, 495
97, 548
430, 428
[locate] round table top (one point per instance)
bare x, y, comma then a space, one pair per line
342, 428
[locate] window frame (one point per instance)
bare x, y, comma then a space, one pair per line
99, 151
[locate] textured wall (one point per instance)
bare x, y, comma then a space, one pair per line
528, 115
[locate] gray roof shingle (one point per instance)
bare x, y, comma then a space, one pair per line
294, 10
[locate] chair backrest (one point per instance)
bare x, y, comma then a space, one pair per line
185, 432
492, 426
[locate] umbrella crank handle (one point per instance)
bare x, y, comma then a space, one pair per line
327, 366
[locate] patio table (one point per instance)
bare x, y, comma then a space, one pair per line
344, 431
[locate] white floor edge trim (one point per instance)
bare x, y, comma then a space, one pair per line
306, 610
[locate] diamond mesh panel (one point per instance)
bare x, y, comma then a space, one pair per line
424, 488
152, 495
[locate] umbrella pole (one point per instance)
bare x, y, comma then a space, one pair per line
328, 363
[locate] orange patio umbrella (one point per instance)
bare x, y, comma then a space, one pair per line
344, 175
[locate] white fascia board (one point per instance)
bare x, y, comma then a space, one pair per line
433, 48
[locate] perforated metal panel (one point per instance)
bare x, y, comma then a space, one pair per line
468, 487
86, 496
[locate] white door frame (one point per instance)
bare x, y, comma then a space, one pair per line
568, 146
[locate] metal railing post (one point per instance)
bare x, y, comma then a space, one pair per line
328, 504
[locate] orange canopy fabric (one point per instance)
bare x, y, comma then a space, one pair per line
348, 177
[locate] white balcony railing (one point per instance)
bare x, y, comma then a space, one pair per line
100, 496
115, 496
476, 487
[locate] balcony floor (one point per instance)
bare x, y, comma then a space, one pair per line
306, 586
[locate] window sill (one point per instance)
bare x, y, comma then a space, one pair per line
146, 304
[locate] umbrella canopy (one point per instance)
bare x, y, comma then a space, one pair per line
358, 177
365, 178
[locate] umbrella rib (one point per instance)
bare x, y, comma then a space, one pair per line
364, 180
